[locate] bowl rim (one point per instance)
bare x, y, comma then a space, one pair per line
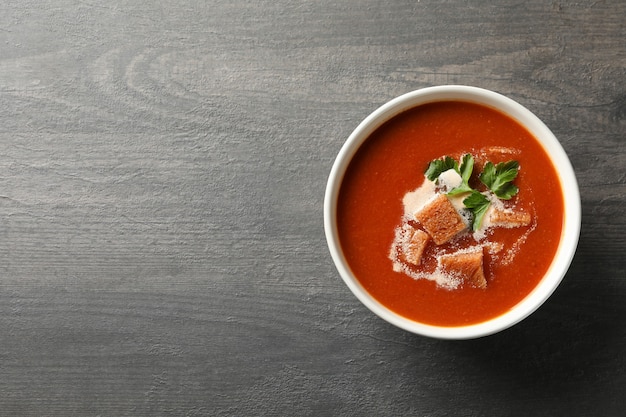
569, 185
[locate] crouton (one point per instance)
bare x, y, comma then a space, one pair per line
467, 266
440, 219
509, 218
415, 245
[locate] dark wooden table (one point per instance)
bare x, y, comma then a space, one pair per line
162, 173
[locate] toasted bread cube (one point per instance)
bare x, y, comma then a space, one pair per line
440, 219
415, 246
467, 266
509, 218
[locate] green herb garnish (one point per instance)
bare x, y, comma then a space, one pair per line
438, 166
465, 170
498, 178
478, 204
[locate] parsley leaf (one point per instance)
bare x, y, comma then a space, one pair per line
478, 204
436, 167
467, 166
499, 178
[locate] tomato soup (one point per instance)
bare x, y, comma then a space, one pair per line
391, 163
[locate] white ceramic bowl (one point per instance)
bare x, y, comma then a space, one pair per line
572, 217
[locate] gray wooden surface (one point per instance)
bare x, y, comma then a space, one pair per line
162, 171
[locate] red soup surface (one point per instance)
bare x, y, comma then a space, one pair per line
392, 161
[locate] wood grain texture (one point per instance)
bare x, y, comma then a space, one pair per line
162, 171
